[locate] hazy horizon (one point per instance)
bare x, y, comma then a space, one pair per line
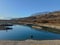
24, 8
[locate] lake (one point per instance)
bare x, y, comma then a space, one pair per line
21, 32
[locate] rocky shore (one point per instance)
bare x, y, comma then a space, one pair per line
50, 25
39, 26
30, 42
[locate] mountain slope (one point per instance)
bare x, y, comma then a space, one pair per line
50, 17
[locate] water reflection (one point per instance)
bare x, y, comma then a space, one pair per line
52, 30
20, 32
5, 28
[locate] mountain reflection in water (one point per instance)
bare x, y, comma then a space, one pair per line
52, 30
23, 32
5, 28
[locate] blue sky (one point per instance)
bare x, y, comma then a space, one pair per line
24, 8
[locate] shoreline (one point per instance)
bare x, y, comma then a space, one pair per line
30, 42
46, 25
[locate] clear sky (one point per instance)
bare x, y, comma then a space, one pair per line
23, 8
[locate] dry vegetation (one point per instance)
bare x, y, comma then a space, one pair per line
50, 17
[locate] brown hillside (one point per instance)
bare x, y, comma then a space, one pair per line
50, 17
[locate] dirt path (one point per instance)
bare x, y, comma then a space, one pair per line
31, 42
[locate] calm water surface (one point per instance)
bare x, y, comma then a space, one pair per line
20, 32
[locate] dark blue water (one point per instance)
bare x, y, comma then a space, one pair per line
20, 32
